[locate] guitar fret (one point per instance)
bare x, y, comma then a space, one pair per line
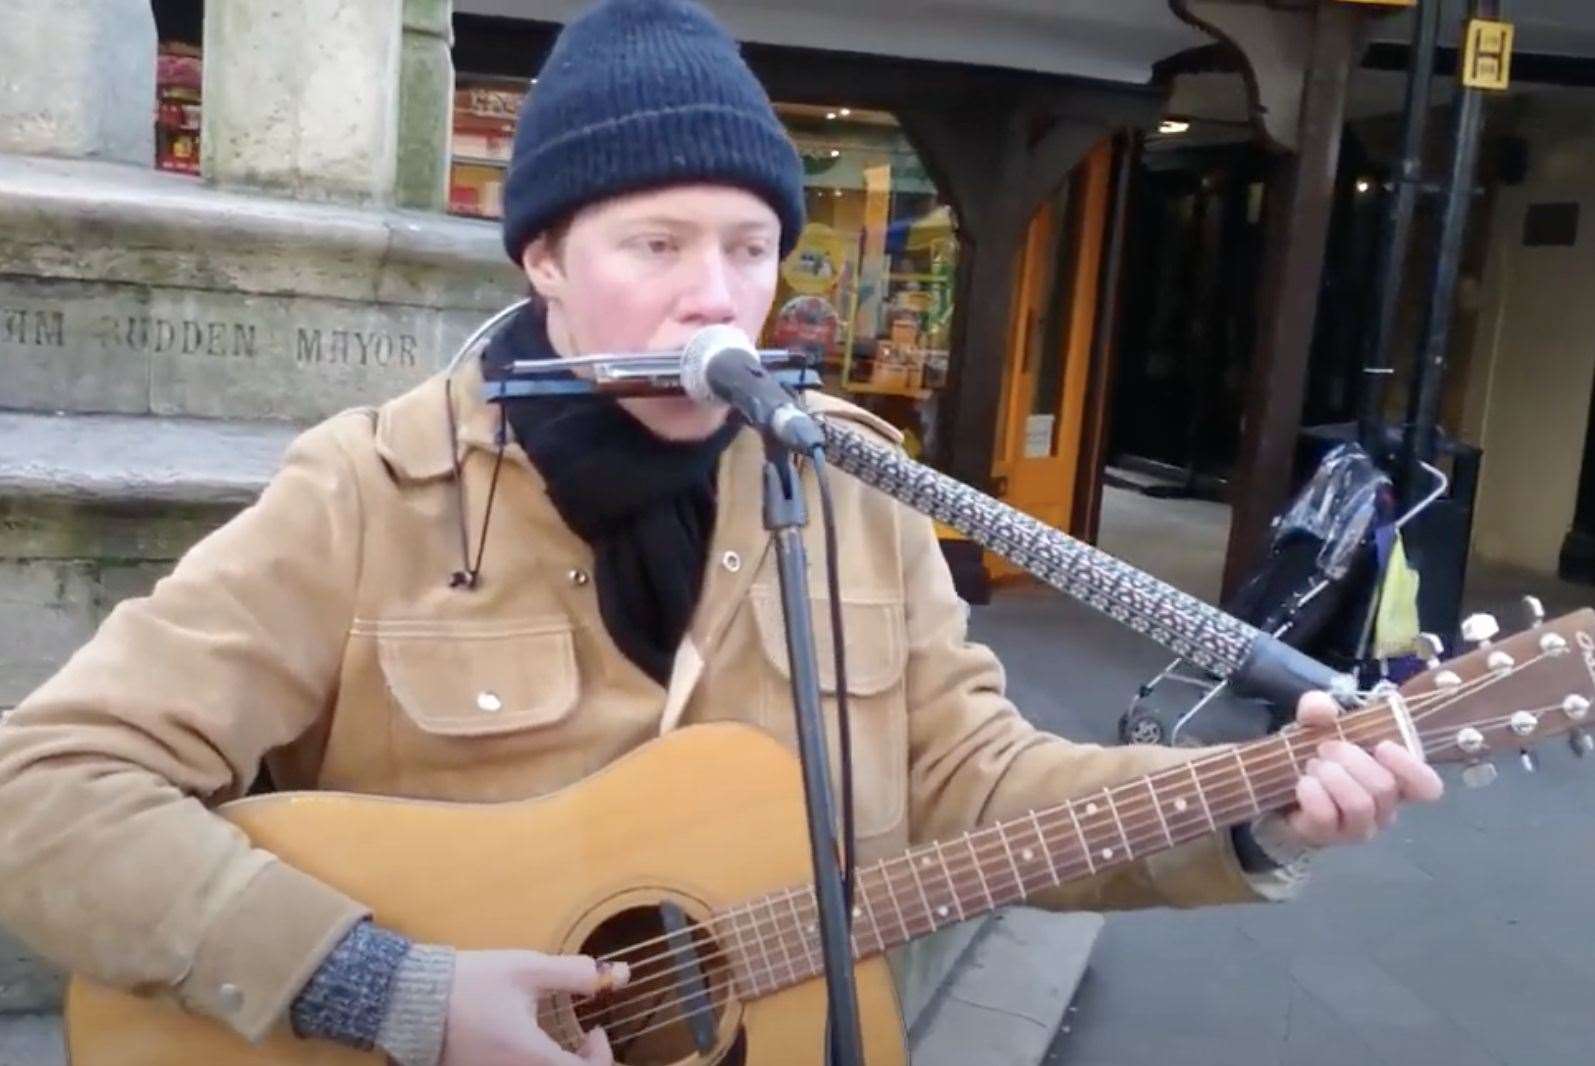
747, 964
930, 912
1041, 836
891, 894
947, 873
1157, 805
1290, 751
758, 937
1246, 778
1085, 845
1019, 877
780, 937
869, 912
1202, 795
1113, 809
802, 932
969, 842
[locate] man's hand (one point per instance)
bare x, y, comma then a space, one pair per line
1348, 795
493, 1008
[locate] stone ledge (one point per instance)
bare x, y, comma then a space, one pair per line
130, 459
96, 221
1008, 996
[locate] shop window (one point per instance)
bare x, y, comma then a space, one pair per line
484, 134
869, 287
177, 107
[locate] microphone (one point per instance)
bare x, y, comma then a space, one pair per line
720, 364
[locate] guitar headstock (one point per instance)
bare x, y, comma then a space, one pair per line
1508, 696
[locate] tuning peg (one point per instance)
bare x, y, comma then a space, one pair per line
1536, 611
1480, 629
1581, 742
1530, 761
1431, 649
1478, 774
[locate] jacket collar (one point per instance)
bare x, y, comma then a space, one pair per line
413, 431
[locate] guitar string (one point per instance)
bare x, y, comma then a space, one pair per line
1270, 789
1136, 813
1440, 697
1004, 886
1224, 754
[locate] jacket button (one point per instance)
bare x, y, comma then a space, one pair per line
731, 561
578, 578
488, 701
230, 996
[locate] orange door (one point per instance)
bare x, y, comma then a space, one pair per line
1049, 347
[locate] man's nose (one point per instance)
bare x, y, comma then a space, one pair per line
708, 297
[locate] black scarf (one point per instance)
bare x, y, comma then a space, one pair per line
646, 505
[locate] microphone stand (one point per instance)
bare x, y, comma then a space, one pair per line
785, 515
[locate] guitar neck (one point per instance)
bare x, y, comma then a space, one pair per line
775, 939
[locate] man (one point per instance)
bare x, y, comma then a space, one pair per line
429, 602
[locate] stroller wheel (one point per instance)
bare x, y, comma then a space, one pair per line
1141, 727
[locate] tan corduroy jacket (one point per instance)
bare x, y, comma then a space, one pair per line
318, 631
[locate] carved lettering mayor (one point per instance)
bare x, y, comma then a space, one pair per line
353, 347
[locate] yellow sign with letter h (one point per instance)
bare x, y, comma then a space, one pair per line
1487, 63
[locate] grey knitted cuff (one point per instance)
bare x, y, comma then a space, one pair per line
347, 996
418, 1004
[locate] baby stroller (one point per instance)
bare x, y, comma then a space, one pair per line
1317, 591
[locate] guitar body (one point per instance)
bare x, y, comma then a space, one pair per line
704, 818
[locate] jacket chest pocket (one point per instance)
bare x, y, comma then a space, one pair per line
468, 695
875, 639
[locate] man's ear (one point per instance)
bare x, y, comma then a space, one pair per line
543, 269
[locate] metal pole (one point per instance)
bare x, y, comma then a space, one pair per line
1429, 372
1398, 224
785, 516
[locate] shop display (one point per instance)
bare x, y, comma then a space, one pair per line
177, 107
484, 134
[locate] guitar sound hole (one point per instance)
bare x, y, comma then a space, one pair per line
650, 1021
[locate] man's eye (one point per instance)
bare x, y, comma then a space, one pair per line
756, 250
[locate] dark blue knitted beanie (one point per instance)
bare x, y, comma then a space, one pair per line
642, 93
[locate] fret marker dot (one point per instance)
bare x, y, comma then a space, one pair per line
858, 912
925, 862
1027, 855
942, 912
1107, 853
1091, 808
1180, 805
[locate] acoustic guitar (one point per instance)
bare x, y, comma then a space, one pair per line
689, 859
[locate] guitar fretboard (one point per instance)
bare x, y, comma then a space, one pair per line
774, 941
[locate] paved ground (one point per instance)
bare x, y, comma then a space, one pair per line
1462, 938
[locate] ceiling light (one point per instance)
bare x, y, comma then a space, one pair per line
1363, 184
830, 114
835, 153
846, 111
1173, 125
